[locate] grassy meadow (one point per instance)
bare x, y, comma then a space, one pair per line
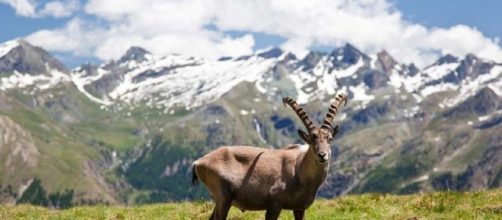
439, 205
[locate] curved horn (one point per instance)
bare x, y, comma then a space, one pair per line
332, 111
300, 112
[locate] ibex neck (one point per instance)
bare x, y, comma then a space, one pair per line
310, 171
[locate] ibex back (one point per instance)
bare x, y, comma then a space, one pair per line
253, 178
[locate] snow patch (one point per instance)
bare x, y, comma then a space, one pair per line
423, 178
342, 116
208, 79
39, 82
470, 87
439, 71
244, 112
80, 81
349, 70
417, 97
483, 118
359, 93
6, 47
438, 88
410, 84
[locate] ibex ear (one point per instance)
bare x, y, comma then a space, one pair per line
335, 131
303, 135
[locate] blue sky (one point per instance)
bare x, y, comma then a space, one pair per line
484, 15
14, 26
233, 38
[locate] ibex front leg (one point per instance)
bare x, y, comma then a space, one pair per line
223, 201
272, 213
222, 209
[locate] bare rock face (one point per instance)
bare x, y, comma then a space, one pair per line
487, 169
17, 144
483, 174
448, 58
108, 82
4, 102
385, 61
310, 60
485, 101
470, 67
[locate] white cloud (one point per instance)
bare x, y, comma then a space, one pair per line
59, 9
83, 39
181, 27
22, 7
34, 9
161, 27
75, 37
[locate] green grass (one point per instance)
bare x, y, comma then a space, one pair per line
445, 205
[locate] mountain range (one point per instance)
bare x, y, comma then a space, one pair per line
126, 131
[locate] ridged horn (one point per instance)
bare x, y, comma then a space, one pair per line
332, 111
300, 112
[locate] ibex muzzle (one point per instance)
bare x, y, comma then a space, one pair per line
253, 178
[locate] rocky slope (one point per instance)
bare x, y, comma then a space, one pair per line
126, 131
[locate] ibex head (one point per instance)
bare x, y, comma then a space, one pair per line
318, 138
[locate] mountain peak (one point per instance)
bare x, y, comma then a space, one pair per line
23, 57
412, 69
483, 102
7, 46
347, 54
24, 43
386, 60
486, 92
350, 47
271, 53
311, 59
473, 66
137, 54
471, 56
448, 58
87, 69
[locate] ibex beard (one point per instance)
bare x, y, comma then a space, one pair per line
254, 178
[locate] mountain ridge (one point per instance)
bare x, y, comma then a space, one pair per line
129, 128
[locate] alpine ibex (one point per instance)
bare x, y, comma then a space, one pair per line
253, 178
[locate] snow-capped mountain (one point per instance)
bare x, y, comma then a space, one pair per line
175, 80
23, 65
140, 77
139, 120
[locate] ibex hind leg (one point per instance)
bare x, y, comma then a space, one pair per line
299, 214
